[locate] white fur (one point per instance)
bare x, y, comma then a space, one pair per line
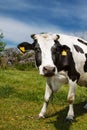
71, 98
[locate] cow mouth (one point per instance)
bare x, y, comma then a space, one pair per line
49, 74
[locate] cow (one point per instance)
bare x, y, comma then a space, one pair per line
62, 59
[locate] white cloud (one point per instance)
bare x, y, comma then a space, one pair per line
17, 31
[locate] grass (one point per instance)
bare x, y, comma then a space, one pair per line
21, 98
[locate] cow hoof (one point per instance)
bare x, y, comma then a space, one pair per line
41, 116
69, 119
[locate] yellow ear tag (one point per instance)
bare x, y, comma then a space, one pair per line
64, 53
22, 49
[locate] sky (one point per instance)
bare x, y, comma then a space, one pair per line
21, 18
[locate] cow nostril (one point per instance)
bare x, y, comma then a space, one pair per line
45, 68
49, 69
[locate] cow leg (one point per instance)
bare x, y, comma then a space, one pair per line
48, 94
71, 98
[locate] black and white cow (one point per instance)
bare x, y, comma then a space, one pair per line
61, 59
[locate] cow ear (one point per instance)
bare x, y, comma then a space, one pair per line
64, 50
33, 36
25, 46
64, 53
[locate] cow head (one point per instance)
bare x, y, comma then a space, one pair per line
42, 46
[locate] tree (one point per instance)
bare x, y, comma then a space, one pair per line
3, 58
2, 44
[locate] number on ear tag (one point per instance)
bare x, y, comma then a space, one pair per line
64, 53
22, 49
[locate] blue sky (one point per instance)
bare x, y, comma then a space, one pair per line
21, 18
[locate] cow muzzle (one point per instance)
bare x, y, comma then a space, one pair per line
49, 71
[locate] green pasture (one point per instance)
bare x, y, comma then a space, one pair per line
21, 99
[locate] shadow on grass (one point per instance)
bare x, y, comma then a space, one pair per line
60, 123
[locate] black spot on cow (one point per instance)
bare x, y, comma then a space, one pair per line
55, 51
85, 65
63, 60
83, 42
38, 54
78, 49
